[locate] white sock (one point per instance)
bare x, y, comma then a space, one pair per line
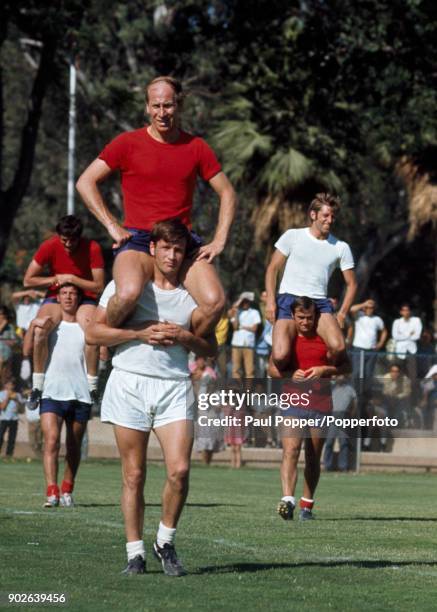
166, 535
289, 498
102, 365
25, 370
135, 548
92, 382
38, 381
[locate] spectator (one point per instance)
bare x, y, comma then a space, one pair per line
8, 340
344, 404
245, 321
34, 431
377, 407
426, 353
406, 332
10, 402
221, 334
26, 305
263, 347
396, 389
429, 401
208, 437
370, 335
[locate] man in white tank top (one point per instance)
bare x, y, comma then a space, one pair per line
309, 255
65, 398
150, 388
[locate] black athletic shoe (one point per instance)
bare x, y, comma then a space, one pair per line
285, 509
169, 560
137, 565
306, 515
34, 400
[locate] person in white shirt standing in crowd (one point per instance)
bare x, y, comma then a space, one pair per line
150, 388
310, 255
406, 332
370, 336
65, 397
245, 321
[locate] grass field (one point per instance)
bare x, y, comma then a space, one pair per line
372, 547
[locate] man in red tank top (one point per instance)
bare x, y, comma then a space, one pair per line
159, 165
310, 373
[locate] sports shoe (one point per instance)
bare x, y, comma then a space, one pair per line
169, 560
25, 370
137, 565
285, 509
52, 501
306, 515
66, 500
94, 394
34, 400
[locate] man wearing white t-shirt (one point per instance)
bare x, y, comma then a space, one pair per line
245, 321
370, 336
406, 332
65, 397
310, 255
150, 388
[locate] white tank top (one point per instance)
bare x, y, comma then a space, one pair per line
155, 304
65, 376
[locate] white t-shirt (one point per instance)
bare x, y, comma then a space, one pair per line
65, 376
310, 262
244, 337
406, 333
155, 304
26, 313
366, 331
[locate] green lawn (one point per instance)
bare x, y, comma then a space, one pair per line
372, 547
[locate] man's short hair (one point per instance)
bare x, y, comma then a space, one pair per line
324, 199
170, 230
78, 289
174, 83
69, 226
302, 303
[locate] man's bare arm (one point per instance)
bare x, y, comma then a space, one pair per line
228, 204
88, 188
277, 262
96, 285
33, 277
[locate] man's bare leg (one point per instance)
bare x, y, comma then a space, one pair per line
176, 440
36, 337
51, 425
313, 454
202, 282
291, 445
284, 332
132, 445
84, 316
131, 271
329, 330
75, 433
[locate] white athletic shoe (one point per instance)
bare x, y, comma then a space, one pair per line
66, 500
25, 370
52, 501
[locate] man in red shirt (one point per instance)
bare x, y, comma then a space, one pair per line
310, 369
70, 258
159, 165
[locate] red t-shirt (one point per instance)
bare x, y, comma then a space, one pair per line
158, 179
309, 353
86, 257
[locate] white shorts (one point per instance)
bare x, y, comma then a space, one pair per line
144, 402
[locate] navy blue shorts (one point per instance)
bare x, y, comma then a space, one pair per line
140, 241
85, 300
285, 301
304, 413
69, 410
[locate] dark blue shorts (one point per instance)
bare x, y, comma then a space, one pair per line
85, 300
285, 301
69, 410
303, 413
140, 241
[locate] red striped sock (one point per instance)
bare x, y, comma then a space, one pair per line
67, 486
304, 502
53, 489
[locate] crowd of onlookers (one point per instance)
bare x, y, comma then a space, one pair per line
392, 374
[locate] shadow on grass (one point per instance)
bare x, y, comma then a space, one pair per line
242, 568
419, 519
210, 505
97, 505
